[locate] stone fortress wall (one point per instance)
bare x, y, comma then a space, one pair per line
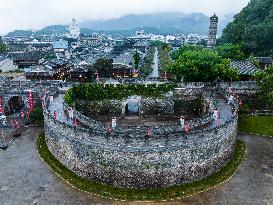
18, 88
129, 158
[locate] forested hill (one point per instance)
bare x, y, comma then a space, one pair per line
253, 27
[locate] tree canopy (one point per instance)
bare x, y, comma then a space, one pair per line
104, 67
3, 47
196, 63
264, 79
137, 59
253, 27
232, 51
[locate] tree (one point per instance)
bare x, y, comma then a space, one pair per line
195, 63
36, 116
137, 59
265, 81
104, 67
3, 47
231, 51
252, 27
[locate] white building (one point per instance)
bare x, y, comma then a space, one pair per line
74, 29
6, 64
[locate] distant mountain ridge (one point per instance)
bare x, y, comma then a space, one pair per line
157, 23
166, 23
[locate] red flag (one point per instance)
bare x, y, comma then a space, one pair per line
241, 103
187, 127
149, 131
76, 122
165, 75
27, 115
22, 114
219, 122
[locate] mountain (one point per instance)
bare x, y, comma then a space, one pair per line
224, 21
164, 23
157, 23
253, 27
54, 29
21, 33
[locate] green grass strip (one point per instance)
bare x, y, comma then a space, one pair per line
175, 192
262, 125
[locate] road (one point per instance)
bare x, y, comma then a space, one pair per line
25, 179
155, 65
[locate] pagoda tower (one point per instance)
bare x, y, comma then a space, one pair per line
212, 31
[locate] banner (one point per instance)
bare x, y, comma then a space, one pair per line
30, 101
114, 123
1, 108
55, 116
182, 122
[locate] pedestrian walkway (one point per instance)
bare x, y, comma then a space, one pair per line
155, 65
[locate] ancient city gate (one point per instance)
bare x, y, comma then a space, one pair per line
16, 95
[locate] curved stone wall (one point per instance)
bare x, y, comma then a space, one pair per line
139, 162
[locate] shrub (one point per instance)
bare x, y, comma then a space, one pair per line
36, 116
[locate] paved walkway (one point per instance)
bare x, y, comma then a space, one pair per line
220, 103
155, 66
25, 179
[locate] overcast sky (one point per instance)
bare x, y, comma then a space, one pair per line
35, 14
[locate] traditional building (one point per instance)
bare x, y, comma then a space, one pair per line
74, 29
212, 30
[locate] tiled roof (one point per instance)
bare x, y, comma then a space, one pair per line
265, 60
26, 55
244, 67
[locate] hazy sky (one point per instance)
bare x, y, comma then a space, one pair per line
34, 14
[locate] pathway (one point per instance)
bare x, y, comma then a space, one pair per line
25, 179
220, 104
155, 65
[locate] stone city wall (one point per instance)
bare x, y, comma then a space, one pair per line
138, 161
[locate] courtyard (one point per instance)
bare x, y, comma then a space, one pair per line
25, 179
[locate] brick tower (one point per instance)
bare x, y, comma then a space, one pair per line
212, 31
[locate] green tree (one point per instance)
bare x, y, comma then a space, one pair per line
137, 59
36, 116
104, 67
231, 51
265, 81
3, 47
201, 64
252, 27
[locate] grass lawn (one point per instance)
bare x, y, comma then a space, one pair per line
257, 125
180, 191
